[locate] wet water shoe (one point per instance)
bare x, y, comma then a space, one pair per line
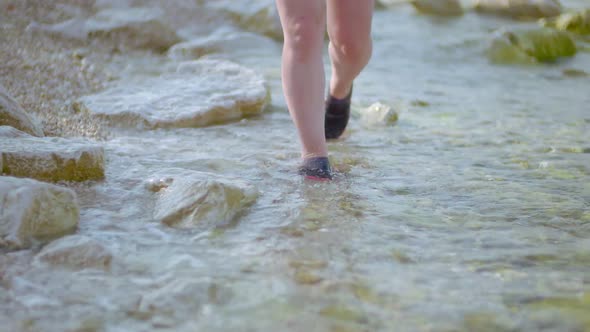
317, 168
337, 115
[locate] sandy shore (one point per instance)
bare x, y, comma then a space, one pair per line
45, 73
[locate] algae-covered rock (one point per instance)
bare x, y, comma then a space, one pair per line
12, 114
529, 46
187, 199
378, 115
438, 7
127, 27
576, 22
199, 93
225, 41
52, 159
519, 8
76, 252
35, 211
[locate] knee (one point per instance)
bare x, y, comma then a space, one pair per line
304, 37
351, 50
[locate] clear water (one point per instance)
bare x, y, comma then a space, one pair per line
472, 213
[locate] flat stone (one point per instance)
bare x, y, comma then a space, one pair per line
199, 93
35, 211
12, 114
189, 199
438, 7
76, 252
519, 8
259, 16
137, 27
52, 159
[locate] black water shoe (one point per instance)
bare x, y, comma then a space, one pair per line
317, 168
337, 115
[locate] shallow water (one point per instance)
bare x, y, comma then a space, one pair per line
471, 213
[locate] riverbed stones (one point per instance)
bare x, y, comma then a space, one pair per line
378, 115
199, 93
52, 159
76, 252
12, 114
576, 22
530, 46
134, 27
438, 7
189, 199
32, 211
519, 8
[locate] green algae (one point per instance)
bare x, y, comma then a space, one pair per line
575, 22
531, 46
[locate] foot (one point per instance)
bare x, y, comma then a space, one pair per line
337, 115
316, 168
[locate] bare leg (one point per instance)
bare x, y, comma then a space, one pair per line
349, 28
303, 78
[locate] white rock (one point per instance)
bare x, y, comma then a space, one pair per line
52, 159
32, 210
11, 114
258, 16
519, 8
200, 93
378, 115
439, 7
10, 132
226, 41
187, 199
76, 252
128, 27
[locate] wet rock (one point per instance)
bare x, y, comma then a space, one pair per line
529, 46
438, 7
199, 93
192, 199
378, 115
225, 41
519, 8
12, 114
35, 211
127, 27
259, 16
10, 132
576, 22
306, 277
76, 252
52, 159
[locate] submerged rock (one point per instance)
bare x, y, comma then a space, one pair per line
12, 114
258, 16
35, 211
438, 7
76, 252
576, 22
52, 159
378, 115
187, 199
226, 41
519, 8
200, 93
529, 46
128, 27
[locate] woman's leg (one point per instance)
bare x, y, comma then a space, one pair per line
303, 79
349, 28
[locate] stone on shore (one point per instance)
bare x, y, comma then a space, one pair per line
519, 8
12, 114
575, 22
530, 46
438, 7
188, 199
76, 252
198, 94
128, 27
33, 211
259, 16
229, 42
52, 159
378, 115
